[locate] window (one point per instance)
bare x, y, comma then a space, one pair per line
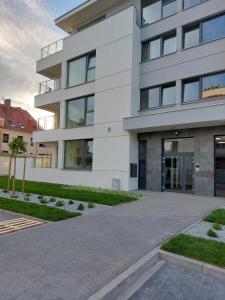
169, 94
80, 112
161, 46
169, 44
190, 3
81, 70
78, 154
204, 32
154, 10
213, 29
213, 86
5, 138
169, 7
191, 36
191, 90
158, 96
20, 137
205, 87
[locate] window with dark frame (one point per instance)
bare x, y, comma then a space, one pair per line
154, 10
80, 112
158, 96
164, 45
20, 137
81, 70
190, 3
78, 155
206, 31
5, 138
205, 87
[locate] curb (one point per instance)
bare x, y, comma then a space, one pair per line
193, 265
126, 279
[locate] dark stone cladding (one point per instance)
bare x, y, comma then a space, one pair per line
203, 154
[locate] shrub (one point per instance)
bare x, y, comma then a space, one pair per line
71, 202
217, 226
90, 205
40, 197
80, 207
59, 203
43, 200
4, 191
52, 199
28, 194
211, 233
14, 196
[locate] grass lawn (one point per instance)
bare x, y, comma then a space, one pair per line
208, 251
58, 190
35, 210
217, 216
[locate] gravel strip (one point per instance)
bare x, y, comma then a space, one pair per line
200, 230
33, 198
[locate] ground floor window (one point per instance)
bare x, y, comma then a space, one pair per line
220, 166
78, 154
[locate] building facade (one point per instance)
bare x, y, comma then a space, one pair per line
16, 122
138, 91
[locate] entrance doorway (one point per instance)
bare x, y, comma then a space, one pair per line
220, 166
142, 165
178, 165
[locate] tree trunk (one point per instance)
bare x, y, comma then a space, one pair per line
9, 174
24, 173
14, 178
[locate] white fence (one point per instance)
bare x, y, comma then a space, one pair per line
4, 165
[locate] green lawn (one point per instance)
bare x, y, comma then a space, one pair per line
208, 251
74, 193
217, 216
36, 210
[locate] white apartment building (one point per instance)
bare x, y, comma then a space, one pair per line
139, 88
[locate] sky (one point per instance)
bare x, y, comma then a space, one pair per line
25, 27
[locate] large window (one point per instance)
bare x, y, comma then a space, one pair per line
158, 96
190, 3
204, 88
78, 154
80, 112
81, 70
191, 90
160, 46
205, 31
5, 138
154, 10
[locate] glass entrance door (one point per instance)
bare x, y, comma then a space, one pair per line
220, 166
178, 166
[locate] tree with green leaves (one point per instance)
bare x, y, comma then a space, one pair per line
16, 147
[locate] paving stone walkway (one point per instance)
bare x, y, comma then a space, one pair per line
174, 283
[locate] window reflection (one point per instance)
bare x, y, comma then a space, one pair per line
213, 86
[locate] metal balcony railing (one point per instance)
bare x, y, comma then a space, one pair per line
52, 48
49, 86
48, 123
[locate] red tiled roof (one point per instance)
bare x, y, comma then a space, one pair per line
16, 118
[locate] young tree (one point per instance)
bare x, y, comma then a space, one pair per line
16, 147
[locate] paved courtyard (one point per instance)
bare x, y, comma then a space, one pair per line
72, 259
174, 283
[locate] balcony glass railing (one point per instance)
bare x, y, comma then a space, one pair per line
48, 123
49, 86
44, 161
52, 49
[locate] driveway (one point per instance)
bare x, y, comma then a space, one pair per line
74, 258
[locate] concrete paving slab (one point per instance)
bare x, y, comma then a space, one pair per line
7, 216
171, 282
73, 259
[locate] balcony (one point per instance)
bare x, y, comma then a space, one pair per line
48, 123
49, 86
52, 49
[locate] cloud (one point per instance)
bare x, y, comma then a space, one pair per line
25, 27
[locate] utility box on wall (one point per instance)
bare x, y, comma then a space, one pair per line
116, 185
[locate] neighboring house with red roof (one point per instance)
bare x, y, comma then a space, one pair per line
16, 122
